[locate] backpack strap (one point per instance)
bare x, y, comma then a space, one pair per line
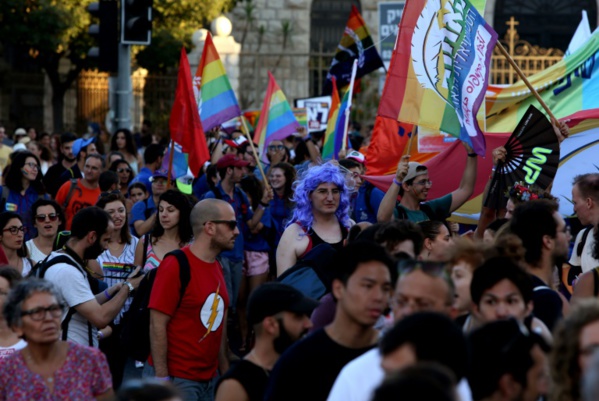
184, 272
147, 213
595, 281
145, 248
5, 193
70, 193
583, 241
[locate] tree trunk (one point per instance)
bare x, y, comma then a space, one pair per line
59, 88
57, 109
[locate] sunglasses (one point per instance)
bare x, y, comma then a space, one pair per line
40, 218
123, 170
276, 147
15, 230
232, 224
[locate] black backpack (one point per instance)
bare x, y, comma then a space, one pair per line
135, 333
39, 271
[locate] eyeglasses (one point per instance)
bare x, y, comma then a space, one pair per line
38, 314
123, 170
273, 148
42, 217
14, 230
424, 183
231, 223
34, 166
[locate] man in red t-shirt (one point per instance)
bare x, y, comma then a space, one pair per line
188, 342
85, 192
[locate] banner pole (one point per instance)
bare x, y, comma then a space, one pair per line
251, 141
349, 104
523, 77
170, 164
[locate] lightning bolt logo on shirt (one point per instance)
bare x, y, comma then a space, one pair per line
212, 312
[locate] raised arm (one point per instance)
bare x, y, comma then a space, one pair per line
385, 212
466, 188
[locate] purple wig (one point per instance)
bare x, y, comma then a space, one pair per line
305, 185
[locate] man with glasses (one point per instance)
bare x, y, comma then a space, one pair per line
187, 331
143, 213
413, 183
47, 219
366, 199
230, 170
76, 195
422, 286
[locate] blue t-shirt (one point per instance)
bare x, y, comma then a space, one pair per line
280, 213
243, 213
144, 177
366, 209
257, 242
200, 187
142, 210
21, 204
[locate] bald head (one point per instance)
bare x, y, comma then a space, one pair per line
207, 210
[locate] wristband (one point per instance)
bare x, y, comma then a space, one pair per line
166, 378
264, 204
107, 295
472, 155
396, 182
100, 335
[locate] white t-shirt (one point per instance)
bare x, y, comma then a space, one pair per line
34, 253
585, 260
26, 266
75, 291
358, 380
6, 351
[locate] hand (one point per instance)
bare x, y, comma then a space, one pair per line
469, 149
135, 280
267, 195
499, 154
561, 130
342, 154
302, 131
402, 168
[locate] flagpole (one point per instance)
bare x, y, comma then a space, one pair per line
523, 77
347, 111
170, 164
251, 141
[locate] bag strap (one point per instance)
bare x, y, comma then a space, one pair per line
70, 193
5, 193
596, 281
145, 248
184, 271
583, 241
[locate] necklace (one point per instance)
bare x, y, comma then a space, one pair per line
258, 363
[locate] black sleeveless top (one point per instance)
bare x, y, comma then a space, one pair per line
252, 378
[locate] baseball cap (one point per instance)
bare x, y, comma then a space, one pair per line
184, 184
161, 173
231, 161
236, 143
414, 170
357, 156
81, 143
272, 298
20, 131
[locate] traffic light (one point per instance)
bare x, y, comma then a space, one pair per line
136, 22
106, 32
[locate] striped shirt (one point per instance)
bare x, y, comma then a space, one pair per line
115, 266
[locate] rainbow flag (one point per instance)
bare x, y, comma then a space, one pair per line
439, 69
301, 115
356, 44
328, 149
215, 97
567, 87
276, 118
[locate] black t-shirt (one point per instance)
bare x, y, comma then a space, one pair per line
252, 378
547, 303
308, 369
52, 179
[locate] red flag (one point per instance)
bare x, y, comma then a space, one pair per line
389, 138
185, 125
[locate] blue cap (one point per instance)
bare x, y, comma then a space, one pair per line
80, 144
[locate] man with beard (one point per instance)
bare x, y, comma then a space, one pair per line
188, 330
412, 183
280, 316
67, 268
74, 196
81, 149
52, 178
545, 237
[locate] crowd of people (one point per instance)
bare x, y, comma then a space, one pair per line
291, 279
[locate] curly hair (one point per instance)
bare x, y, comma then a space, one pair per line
303, 188
289, 173
13, 177
129, 142
565, 368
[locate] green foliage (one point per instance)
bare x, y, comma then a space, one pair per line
162, 56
